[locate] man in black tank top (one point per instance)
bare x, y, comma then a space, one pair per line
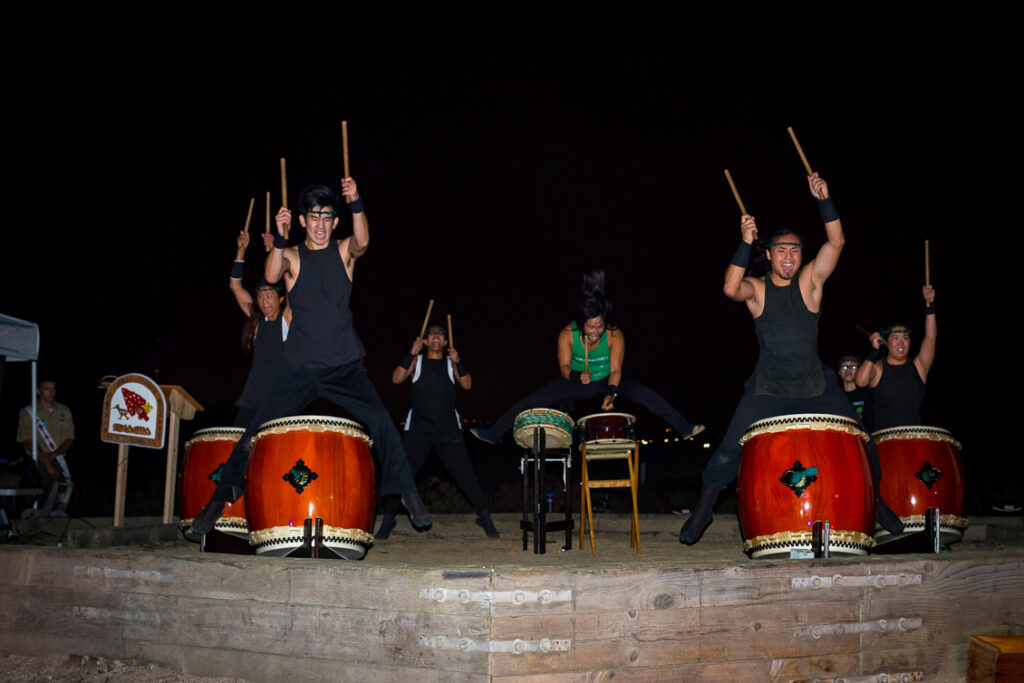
897, 383
323, 357
789, 377
860, 398
434, 423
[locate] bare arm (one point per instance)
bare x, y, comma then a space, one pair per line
401, 374
926, 356
360, 240
617, 352
737, 286
828, 256
565, 351
869, 373
276, 264
242, 296
465, 381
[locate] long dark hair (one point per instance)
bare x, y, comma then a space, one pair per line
594, 301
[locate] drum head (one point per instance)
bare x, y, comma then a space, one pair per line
812, 421
314, 423
557, 428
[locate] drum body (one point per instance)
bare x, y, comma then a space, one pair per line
798, 469
607, 429
205, 455
557, 427
307, 467
921, 469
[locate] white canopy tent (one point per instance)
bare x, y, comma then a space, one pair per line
19, 341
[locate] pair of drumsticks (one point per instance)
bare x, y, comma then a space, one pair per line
426, 319
807, 167
284, 184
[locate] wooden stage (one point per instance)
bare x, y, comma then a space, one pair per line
453, 605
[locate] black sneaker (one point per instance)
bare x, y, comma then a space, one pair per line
387, 523
484, 434
484, 522
207, 517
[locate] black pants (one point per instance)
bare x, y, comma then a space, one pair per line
725, 463
451, 449
291, 389
566, 390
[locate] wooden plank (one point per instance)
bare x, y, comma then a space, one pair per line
992, 658
739, 672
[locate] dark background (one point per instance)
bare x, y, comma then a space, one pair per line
495, 170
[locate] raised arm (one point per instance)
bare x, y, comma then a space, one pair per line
242, 296
360, 240
737, 286
870, 371
405, 369
464, 380
276, 263
828, 256
926, 355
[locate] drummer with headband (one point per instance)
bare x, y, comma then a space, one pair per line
323, 357
897, 386
590, 354
434, 422
789, 377
264, 332
859, 397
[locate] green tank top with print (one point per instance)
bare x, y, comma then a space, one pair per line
598, 360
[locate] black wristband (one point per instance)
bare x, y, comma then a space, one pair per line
407, 361
279, 241
237, 268
742, 256
357, 206
930, 308
828, 210
872, 355
574, 375
461, 367
613, 390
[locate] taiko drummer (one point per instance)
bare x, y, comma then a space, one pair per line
789, 376
264, 332
323, 356
591, 351
897, 382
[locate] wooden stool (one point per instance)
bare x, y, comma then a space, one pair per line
608, 436
995, 658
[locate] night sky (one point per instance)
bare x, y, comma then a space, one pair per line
494, 172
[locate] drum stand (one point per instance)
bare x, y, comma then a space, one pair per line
313, 536
534, 460
927, 541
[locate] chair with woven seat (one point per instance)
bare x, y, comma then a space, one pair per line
608, 436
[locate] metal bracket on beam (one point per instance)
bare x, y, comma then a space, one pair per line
903, 624
838, 580
516, 597
516, 647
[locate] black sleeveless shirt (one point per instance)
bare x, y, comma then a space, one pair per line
788, 335
898, 396
266, 351
322, 334
433, 398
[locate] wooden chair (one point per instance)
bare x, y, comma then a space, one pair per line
608, 436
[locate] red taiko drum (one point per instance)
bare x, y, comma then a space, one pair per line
921, 469
607, 428
205, 455
308, 467
798, 469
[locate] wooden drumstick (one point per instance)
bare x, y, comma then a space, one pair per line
735, 192
927, 267
863, 331
344, 153
426, 318
586, 353
803, 157
248, 216
267, 227
284, 192
451, 344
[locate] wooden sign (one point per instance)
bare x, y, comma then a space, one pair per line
134, 412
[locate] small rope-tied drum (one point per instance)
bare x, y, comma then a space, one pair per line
205, 455
798, 469
607, 432
921, 469
307, 467
557, 427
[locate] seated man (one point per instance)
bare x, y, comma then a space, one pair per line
55, 430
